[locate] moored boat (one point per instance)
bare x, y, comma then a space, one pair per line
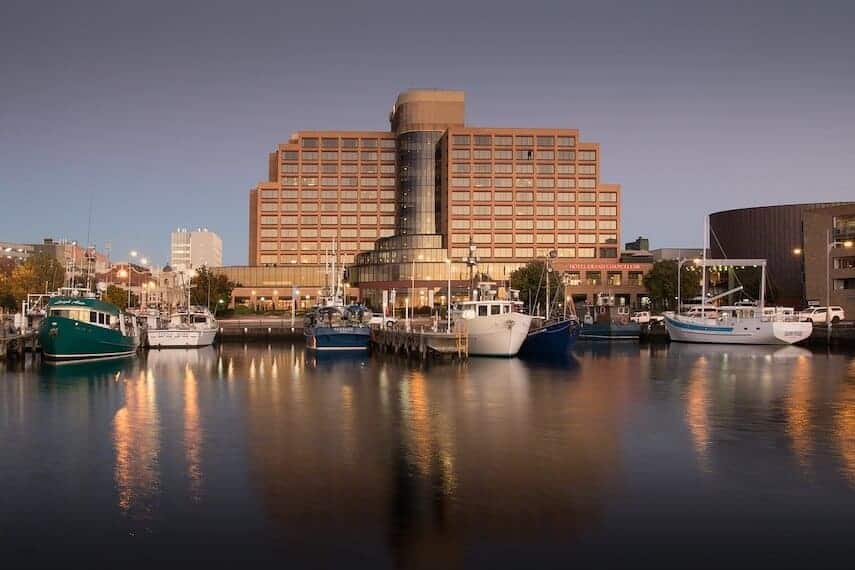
191, 328
607, 321
550, 337
494, 327
336, 327
76, 328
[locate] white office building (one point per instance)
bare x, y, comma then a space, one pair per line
195, 248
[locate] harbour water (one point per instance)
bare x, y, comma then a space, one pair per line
679, 456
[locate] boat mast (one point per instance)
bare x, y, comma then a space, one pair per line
547, 288
704, 269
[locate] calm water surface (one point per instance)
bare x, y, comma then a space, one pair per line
266, 455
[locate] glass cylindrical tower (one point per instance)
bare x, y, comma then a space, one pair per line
416, 170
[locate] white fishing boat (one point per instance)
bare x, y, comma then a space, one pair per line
736, 324
495, 327
185, 328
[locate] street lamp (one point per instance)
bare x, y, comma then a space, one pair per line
412, 304
448, 299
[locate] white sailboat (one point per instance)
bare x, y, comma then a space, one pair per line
739, 324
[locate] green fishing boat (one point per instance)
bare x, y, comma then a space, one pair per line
77, 328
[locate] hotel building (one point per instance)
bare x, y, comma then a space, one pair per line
399, 203
189, 249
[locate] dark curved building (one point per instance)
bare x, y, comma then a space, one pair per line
777, 234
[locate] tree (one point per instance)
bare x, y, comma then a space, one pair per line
531, 282
118, 296
209, 288
40, 273
661, 283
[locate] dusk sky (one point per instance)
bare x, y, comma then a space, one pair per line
162, 113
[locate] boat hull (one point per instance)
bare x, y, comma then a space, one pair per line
497, 335
337, 338
190, 338
64, 339
553, 338
740, 332
610, 331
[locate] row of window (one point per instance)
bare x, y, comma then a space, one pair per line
335, 181
532, 238
524, 168
542, 224
525, 252
364, 232
546, 211
305, 258
328, 194
613, 278
336, 142
523, 154
328, 207
334, 156
519, 196
335, 168
316, 246
508, 140
326, 220
86, 316
484, 182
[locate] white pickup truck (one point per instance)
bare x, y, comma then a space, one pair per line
643, 317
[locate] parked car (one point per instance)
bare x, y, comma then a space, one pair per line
644, 317
379, 319
819, 314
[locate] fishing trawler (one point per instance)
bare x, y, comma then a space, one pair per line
554, 333
79, 326
495, 327
331, 325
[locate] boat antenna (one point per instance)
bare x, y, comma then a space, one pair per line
704, 268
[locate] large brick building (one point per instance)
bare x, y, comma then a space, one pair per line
399, 203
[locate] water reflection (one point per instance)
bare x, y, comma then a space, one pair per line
136, 440
326, 460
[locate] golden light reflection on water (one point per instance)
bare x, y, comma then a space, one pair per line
136, 443
798, 411
192, 434
697, 417
844, 428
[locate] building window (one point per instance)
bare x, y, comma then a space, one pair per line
587, 155
614, 278
310, 156
524, 224
587, 211
587, 169
460, 140
608, 211
592, 277
567, 155
545, 141
503, 155
566, 238
608, 224
524, 140
566, 141
608, 252
309, 143
545, 155
566, 169
483, 140
460, 154
566, 182
587, 183
545, 183
524, 154
501, 140
636, 278
329, 143
524, 182
503, 196
481, 154
503, 210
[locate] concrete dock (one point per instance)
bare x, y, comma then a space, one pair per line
17, 343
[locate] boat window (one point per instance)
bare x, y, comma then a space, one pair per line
93, 317
59, 313
495, 309
505, 309
482, 310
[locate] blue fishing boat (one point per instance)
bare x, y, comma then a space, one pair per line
550, 337
332, 325
336, 327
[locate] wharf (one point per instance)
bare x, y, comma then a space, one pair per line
421, 341
256, 328
18, 342
842, 333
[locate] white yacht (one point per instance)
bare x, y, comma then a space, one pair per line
495, 327
184, 329
737, 324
